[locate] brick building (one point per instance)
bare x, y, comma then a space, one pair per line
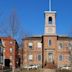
48, 50
8, 52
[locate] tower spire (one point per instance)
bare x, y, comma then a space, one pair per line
49, 5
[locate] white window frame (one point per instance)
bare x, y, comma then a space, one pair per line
30, 44
70, 45
59, 45
59, 57
40, 56
30, 57
11, 42
39, 45
11, 50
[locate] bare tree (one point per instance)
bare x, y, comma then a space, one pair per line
14, 24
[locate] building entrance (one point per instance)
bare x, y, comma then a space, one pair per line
50, 57
7, 62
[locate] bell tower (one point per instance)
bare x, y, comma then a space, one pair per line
50, 21
49, 39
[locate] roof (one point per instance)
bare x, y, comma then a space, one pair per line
34, 36
40, 36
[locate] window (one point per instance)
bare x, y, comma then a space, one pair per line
3, 43
50, 55
39, 57
3, 49
30, 45
50, 20
11, 42
60, 45
60, 57
11, 50
49, 42
30, 57
69, 45
69, 58
39, 45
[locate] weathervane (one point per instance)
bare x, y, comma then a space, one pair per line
49, 5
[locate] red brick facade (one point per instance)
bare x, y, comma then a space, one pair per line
55, 49
10, 51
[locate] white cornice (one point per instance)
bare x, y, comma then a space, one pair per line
49, 11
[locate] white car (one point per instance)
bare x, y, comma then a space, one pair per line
66, 67
32, 66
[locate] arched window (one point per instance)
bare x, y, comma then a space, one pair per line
60, 45
49, 42
60, 57
50, 20
39, 57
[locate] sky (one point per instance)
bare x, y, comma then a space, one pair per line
30, 15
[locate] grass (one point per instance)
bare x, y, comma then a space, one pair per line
31, 70
64, 70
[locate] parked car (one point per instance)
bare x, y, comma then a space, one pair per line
66, 67
32, 66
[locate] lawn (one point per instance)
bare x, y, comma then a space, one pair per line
31, 70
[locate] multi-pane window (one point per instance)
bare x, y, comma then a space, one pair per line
11, 50
30, 45
70, 45
49, 42
30, 57
60, 45
39, 45
60, 57
69, 58
11, 42
50, 20
39, 57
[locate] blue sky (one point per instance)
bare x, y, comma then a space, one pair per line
30, 14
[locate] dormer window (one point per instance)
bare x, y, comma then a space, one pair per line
50, 20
